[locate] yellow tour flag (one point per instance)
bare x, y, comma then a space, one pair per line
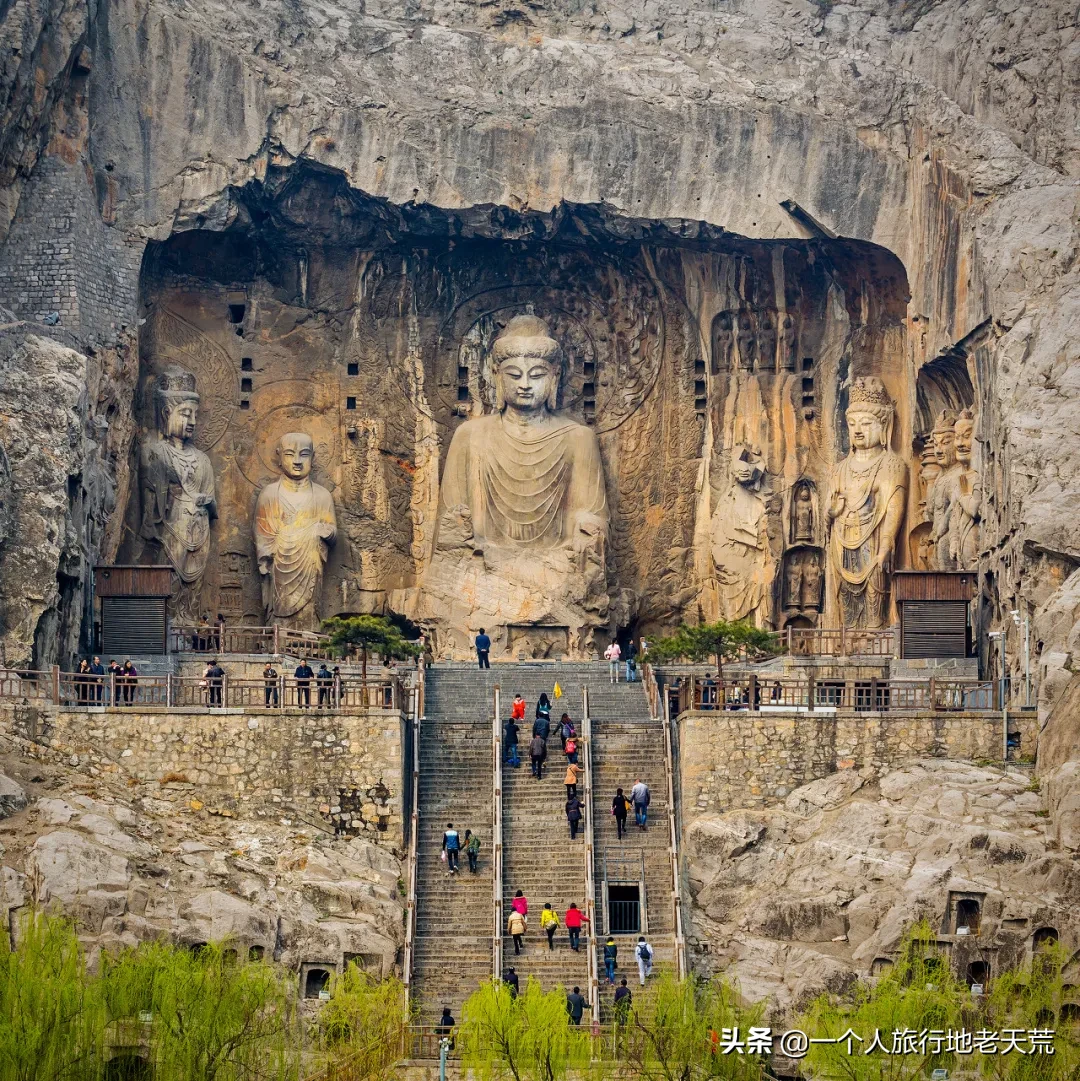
558, 690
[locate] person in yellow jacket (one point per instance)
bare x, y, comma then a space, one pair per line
516, 925
549, 922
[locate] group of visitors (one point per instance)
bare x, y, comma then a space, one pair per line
517, 923
329, 685
90, 681
453, 844
638, 801
614, 654
207, 636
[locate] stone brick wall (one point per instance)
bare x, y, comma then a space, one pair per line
239, 762
60, 257
742, 760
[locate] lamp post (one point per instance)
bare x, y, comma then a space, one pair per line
1026, 624
1001, 692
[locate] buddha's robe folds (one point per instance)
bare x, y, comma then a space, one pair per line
534, 487
294, 523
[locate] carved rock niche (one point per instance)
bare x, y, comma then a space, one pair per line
371, 328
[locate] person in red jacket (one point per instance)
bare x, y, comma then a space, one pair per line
517, 708
574, 919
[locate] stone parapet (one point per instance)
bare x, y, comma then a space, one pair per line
731, 760
292, 759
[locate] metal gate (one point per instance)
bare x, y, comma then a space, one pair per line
624, 904
933, 628
133, 626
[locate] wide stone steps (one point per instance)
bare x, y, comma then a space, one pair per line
561, 967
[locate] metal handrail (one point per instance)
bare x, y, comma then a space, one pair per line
497, 838
673, 845
585, 747
416, 703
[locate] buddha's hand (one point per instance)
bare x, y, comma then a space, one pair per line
590, 533
265, 563
456, 528
325, 530
836, 505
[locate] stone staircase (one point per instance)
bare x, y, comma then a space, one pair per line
453, 945
453, 948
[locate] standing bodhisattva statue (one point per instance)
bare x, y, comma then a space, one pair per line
865, 509
177, 482
294, 526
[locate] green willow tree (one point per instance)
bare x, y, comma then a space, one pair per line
676, 1033
719, 641
918, 994
527, 1038
369, 634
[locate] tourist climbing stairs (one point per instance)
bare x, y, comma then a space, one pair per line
453, 949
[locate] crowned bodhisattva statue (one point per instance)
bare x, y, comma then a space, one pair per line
295, 524
865, 509
177, 483
522, 526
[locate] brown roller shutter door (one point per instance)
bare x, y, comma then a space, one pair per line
133, 626
933, 629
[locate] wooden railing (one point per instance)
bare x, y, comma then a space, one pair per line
85, 690
586, 748
859, 695
224, 638
673, 849
812, 642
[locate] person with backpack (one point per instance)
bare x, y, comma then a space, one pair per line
511, 981
631, 661
576, 1005
566, 729
574, 919
611, 957
573, 815
570, 747
537, 754
640, 797
472, 849
549, 923
644, 954
517, 925
624, 998
451, 844
543, 710
620, 807
511, 741
520, 903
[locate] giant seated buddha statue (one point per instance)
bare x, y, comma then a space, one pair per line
522, 526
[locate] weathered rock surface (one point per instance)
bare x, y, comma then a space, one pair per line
131, 865
805, 896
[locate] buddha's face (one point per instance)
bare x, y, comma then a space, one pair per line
945, 447
866, 429
963, 434
745, 472
180, 420
297, 455
527, 383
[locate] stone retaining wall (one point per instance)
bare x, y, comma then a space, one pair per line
742, 759
239, 761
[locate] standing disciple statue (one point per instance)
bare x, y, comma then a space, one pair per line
966, 498
177, 482
523, 516
865, 509
294, 526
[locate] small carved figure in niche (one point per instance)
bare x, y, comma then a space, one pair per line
740, 541
177, 482
787, 349
747, 341
941, 497
865, 508
966, 498
767, 340
929, 471
295, 524
811, 583
794, 580
802, 514
723, 338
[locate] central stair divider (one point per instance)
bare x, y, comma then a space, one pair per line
673, 849
497, 841
416, 703
590, 856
